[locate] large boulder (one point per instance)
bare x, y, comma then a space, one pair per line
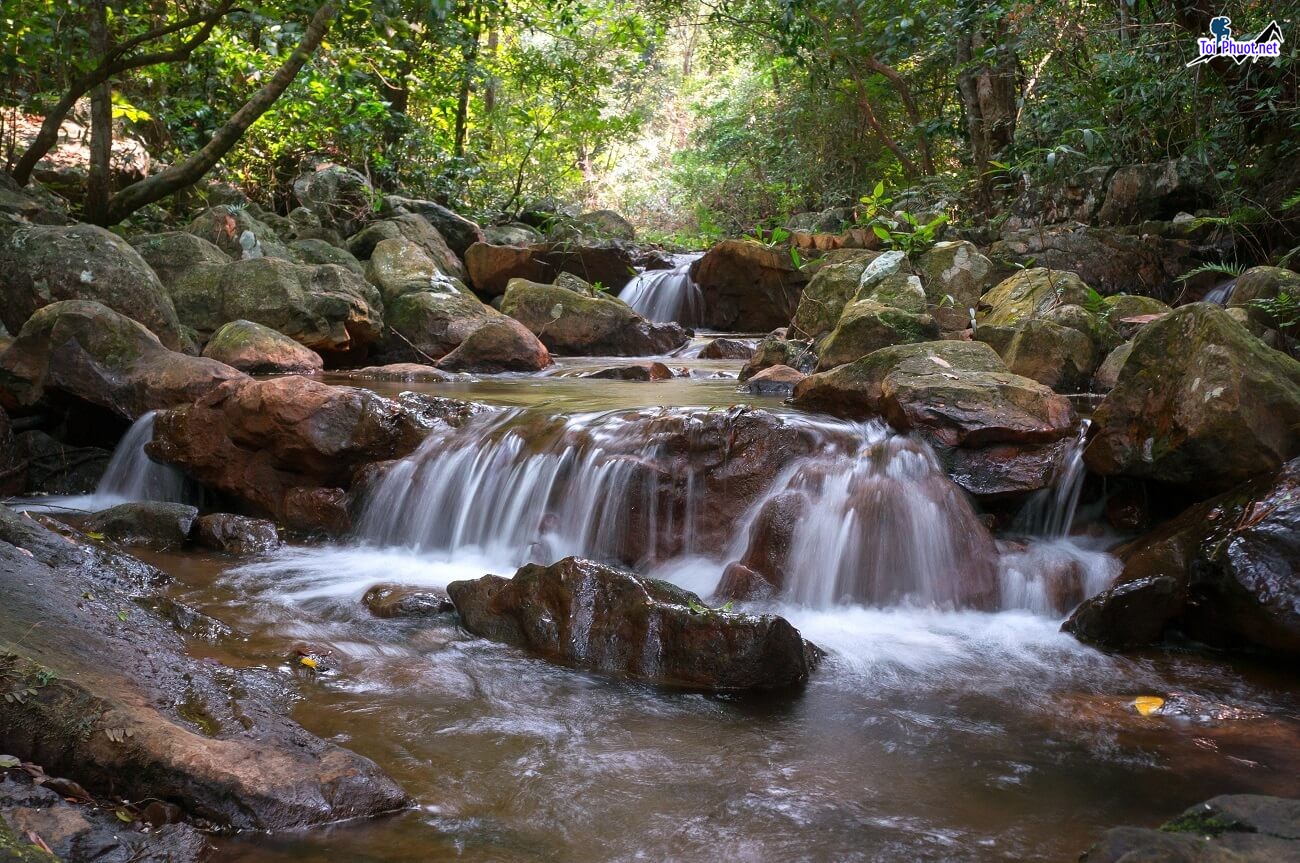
955, 274
449, 324
415, 230
340, 198
491, 268
500, 344
1156, 190
569, 323
1242, 828
327, 308
239, 233
317, 251
1226, 571
1059, 357
1261, 284
460, 232
1199, 403
259, 350
130, 714
998, 433
399, 266
85, 350
826, 294
190, 269
586, 615
50, 466
154, 524
890, 311
278, 443
41, 264
747, 286
1029, 294
1109, 260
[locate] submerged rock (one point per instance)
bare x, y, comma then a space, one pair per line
646, 372
258, 350
775, 381
725, 349
586, 615
396, 600
42, 264
83, 349
747, 287
235, 534
777, 350
1199, 403
129, 713
1224, 572
570, 324
154, 524
1243, 828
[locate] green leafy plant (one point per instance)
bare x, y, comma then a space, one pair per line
1222, 269
910, 242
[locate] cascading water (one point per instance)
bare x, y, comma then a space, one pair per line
1221, 294
1050, 513
667, 295
131, 475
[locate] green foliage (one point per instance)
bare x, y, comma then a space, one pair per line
1222, 269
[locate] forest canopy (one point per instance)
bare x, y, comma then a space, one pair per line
693, 119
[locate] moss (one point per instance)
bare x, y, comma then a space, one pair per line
15, 850
1206, 823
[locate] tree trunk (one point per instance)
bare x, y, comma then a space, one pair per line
466, 83
988, 96
909, 106
190, 171
95, 204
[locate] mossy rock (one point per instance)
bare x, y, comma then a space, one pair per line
867, 326
1030, 293
825, 296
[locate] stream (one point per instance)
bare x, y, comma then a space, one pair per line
932, 731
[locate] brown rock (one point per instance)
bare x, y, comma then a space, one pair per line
747, 287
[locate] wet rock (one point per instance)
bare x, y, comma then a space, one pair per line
238, 233
1107, 374
1199, 402
339, 197
416, 232
190, 269
1249, 828
1055, 356
747, 287
570, 324
460, 232
42, 264
272, 443
762, 572
411, 372
13, 467
145, 721
501, 344
775, 381
444, 324
1029, 293
491, 268
1223, 572
777, 350
85, 350
586, 615
153, 524
826, 294
316, 511
647, 372
396, 600
258, 350
726, 349
235, 534
52, 467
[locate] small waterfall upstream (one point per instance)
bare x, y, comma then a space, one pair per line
131, 475
1221, 294
851, 513
667, 295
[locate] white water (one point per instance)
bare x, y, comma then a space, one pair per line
667, 295
1222, 294
1050, 513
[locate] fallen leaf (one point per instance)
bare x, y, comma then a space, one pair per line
1147, 704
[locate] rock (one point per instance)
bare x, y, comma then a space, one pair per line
273, 443
586, 615
513, 234
1029, 294
190, 269
31, 203
1056, 356
747, 287
132, 715
1107, 374
955, 274
325, 308
408, 372
1111, 261
997, 433
259, 350
826, 294
86, 350
339, 197
726, 349
395, 600
415, 230
647, 372
460, 232
321, 252
501, 344
51, 467
492, 268
1199, 402
153, 524
775, 350
1223, 572
1243, 828
13, 467
1156, 190
775, 381
399, 267
1121, 306
436, 322
570, 324
237, 232
891, 313
235, 534
1264, 283
604, 224
42, 264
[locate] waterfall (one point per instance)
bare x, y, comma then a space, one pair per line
667, 295
1221, 294
1050, 513
131, 475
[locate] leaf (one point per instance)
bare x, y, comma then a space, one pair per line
94, 535
122, 615
1147, 704
309, 662
7, 761
880, 189
124, 816
880, 232
796, 258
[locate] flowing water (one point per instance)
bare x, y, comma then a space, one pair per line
667, 295
944, 725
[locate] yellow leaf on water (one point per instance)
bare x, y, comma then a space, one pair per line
308, 661
1147, 704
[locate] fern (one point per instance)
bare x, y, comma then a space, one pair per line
1291, 201
1231, 270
